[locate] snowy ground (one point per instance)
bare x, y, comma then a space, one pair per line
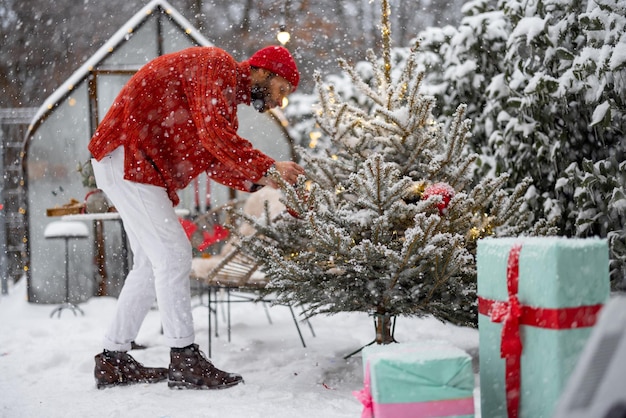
46, 364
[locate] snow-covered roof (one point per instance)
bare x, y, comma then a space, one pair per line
119, 37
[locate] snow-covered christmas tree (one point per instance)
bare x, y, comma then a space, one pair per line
387, 221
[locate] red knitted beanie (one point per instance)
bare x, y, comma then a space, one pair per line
278, 60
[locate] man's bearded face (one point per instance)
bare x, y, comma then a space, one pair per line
259, 96
269, 93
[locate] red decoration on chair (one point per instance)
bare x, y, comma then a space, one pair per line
218, 234
189, 226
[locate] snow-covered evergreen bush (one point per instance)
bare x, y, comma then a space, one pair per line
545, 81
598, 206
387, 219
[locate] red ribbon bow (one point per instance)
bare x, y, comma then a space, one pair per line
512, 314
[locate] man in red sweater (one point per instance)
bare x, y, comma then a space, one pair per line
174, 119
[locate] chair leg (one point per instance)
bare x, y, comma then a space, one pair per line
221, 291
295, 321
210, 330
267, 313
310, 325
228, 312
216, 321
213, 317
67, 272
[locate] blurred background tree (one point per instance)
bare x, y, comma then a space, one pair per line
43, 42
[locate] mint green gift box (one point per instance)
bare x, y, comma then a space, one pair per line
418, 379
553, 273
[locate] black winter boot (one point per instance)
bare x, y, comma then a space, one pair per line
120, 368
190, 369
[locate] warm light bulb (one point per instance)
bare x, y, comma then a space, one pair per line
284, 103
283, 36
315, 135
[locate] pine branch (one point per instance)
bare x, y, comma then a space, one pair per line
386, 37
455, 139
360, 84
463, 178
414, 90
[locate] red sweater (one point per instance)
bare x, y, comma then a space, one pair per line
177, 117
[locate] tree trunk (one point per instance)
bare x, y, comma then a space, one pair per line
383, 329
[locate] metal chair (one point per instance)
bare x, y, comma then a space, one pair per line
237, 273
66, 230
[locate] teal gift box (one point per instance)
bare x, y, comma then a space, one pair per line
538, 299
418, 380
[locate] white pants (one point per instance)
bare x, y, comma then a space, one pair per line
161, 258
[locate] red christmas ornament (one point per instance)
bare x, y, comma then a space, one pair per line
439, 189
292, 211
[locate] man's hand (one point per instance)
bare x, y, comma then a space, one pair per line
288, 170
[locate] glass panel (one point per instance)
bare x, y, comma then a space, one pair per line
58, 146
139, 48
109, 85
174, 38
